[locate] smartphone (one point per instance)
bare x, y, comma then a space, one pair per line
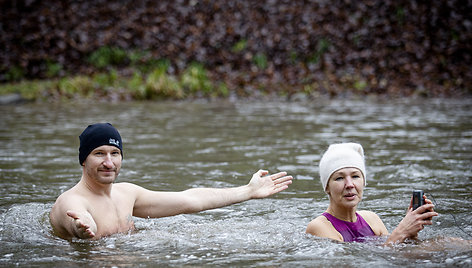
418, 199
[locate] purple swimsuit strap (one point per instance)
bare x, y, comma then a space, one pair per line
351, 231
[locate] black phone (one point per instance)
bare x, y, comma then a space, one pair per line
418, 199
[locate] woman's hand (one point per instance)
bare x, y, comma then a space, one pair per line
413, 222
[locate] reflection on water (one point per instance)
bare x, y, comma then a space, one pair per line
174, 146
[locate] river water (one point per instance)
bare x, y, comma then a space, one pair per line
173, 146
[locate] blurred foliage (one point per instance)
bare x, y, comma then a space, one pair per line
106, 56
239, 46
260, 60
195, 78
175, 48
14, 73
157, 84
321, 48
53, 69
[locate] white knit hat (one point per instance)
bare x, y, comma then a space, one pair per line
341, 155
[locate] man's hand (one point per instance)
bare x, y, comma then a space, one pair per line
264, 185
83, 226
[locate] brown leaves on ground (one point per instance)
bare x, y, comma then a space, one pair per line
394, 47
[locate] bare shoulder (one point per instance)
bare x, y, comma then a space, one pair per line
322, 227
374, 221
132, 192
366, 214
319, 223
68, 198
128, 188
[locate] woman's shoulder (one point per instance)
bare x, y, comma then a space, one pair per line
374, 221
321, 219
322, 227
368, 214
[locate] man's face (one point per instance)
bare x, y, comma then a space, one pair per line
103, 164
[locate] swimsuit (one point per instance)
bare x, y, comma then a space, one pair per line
351, 231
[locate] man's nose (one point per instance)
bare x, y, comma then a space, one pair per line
107, 162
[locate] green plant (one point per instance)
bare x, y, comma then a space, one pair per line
136, 85
260, 60
195, 78
239, 46
360, 85
161, 66
106, 56
15, 73
29, 90
400, 15
293, 57
79, 85
101, 80
137, 57
321, 47
222, 90
53, 68
159, 84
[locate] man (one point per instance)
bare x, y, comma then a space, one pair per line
97, 207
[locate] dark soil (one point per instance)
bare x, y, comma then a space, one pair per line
394, 47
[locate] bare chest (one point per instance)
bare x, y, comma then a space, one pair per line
112, 216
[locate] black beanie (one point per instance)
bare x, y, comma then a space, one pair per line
97, 135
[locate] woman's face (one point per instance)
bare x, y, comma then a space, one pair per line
345, 187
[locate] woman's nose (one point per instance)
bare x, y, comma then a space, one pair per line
349, 182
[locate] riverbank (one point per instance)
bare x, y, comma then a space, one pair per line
147, 50
66, 90
195, 82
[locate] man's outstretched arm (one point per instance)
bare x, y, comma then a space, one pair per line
161, 204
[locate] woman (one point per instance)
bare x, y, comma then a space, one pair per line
343, 177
